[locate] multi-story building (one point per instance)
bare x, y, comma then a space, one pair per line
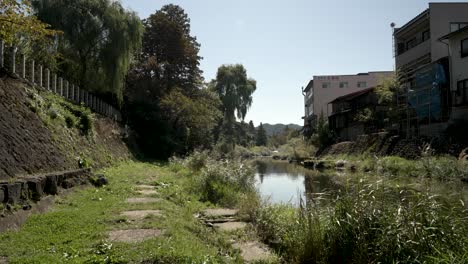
458, 61
423, 64
323, 89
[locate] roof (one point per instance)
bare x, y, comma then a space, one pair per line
455, 33
352, 95
412, 21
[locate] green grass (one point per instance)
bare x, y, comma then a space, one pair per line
75, 230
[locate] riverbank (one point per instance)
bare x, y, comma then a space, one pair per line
155, 203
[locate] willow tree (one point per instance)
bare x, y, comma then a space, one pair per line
98, 41
235, 90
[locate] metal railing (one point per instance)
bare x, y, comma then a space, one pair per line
27, 69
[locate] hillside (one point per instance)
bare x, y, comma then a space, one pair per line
41, 132
278, 128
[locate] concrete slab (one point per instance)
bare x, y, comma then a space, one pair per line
230, 226
254, 251
141, 214
133, 235
143, 200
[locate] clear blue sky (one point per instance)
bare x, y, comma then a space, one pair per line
283, 43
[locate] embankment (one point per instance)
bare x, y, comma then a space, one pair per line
41, 132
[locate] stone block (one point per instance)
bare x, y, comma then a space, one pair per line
13, 192
36, 187
51, 186
2, 194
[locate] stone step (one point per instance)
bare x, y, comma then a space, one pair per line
141, 214
254, 251
143, 200
133, 235
230, 226
220, 212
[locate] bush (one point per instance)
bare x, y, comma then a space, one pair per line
224, 183
86, 122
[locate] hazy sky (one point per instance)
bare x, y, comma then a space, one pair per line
283, 43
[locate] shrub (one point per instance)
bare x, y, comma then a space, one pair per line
223, 183
86, 122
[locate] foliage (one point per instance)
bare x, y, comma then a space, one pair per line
261, 138
235, 90
192, 119
99, 39
324, 136
368, 223
166, 103
387, 92
21, 28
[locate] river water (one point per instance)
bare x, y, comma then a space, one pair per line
282, 182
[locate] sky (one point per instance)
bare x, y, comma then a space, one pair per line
283, 44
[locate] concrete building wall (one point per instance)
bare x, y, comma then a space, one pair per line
322, 96
459, 65
441, 15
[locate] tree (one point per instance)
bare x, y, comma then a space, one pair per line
235, 90
17, 21
324, 136
261, 138
169, 56
387, 92
98, 43
192, 119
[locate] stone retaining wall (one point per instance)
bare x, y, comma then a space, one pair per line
33, 188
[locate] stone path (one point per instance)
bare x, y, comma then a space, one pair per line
139, 235
226, 220
141, 214
143, 200
253, 251
134, 235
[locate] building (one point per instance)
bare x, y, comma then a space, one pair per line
457, 42
355, 114
423, 64
323, 89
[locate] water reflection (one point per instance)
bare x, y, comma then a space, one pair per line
282, 182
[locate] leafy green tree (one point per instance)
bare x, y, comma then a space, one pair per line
192, 119
324, 136
387, 92
169, 56
261, 137
17, 21
235, 90
98, 43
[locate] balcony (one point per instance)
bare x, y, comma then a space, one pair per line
416, 52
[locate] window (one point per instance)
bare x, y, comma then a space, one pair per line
343, 84
457, 26
411, 43
463, 91
464, 48
361, 84
326, 85
426, 35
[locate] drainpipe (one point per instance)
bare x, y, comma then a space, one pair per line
449, 104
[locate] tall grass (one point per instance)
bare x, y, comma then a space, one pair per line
369, 223
223, 183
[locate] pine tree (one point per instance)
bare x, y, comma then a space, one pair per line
261, 138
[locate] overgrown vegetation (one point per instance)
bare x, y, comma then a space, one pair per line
369, 222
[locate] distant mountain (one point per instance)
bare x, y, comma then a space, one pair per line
278, 128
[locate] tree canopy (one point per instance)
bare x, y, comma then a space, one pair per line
99, 39
235, 90
17, 21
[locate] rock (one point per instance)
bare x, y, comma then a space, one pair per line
220, 212
71, 182
13, 192
51, 186
27, 206
36, 187
309, 163
100, 180
2, 194
463, 155
340, 163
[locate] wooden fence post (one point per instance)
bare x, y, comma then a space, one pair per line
55, 83
23, 67
33, 65
13, 59
40, 76
2, 50
47, 79
72, 92
61, 86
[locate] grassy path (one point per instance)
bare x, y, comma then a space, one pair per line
79, 228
